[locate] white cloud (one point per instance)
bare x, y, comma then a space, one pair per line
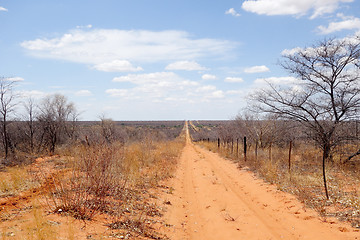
311, 51
83, 93
154, 85
293, 51
117, 66
185, 65
235, 92
3, 9
347, 23
233, 12
234, 79
97, 46
32, 93
15, 79
257, 69
118, 92
276, 80
208, 77
217, 94
164, 86
292, 7
87, 26
148, 78
206, 88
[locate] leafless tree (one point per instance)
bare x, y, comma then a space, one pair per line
54, 116
30, 122
7, 107
108, 130
325, 95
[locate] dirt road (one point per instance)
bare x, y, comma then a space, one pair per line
213, 199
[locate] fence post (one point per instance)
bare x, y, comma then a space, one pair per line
237, 147
245, 147
218, 143
232, 146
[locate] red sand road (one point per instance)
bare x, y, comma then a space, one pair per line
213, 199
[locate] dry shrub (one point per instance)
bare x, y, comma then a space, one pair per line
81, 191
114, 179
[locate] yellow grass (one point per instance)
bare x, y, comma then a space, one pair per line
15, 180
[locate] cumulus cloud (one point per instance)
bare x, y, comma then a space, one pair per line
3, 9
156, 77
234, 79
185, 65
164, 86
83, 93
292, 7
153, 85
233, 12
292, 51
98, 46
257, 69
353, 39
117, 66
347, 23
208, 77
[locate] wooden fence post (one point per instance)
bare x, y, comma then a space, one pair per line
237, 147
218, 143
232, 146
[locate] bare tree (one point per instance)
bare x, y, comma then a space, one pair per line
108, 130
325, 95
7, 106
30, 122
55, 114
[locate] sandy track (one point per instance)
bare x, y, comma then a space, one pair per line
213, 199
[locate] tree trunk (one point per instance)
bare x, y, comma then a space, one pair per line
326, 151
5, 137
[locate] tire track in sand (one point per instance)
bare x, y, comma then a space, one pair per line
213, 199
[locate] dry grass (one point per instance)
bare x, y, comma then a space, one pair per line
16, 179
115, 184
305, 178
37, 229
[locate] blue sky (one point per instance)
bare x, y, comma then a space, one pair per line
159, 59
